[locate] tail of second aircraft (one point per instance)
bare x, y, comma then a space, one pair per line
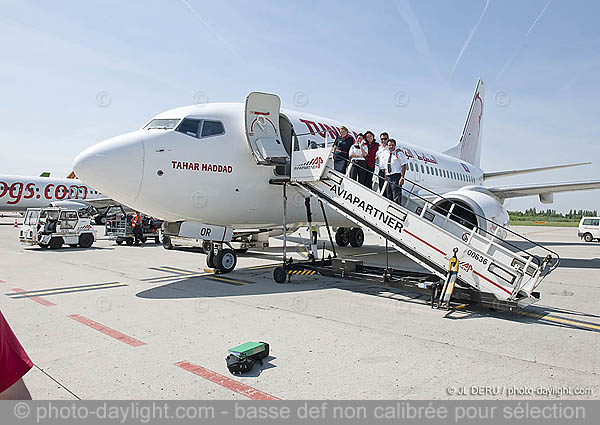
469, 147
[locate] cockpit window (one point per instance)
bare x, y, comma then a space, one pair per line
212, 128
189, 127
162, 123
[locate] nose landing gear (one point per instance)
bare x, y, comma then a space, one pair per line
223, 259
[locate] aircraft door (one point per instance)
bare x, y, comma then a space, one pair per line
262, 129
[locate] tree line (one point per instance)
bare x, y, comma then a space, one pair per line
532, 213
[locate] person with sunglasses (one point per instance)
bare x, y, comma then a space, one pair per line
383, 140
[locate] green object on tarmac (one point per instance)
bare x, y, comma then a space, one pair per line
249, 349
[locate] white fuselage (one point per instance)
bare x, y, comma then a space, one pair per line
176, 177
17, 193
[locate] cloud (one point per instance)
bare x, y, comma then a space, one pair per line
520, 46
468, 40
211, 29
421, 45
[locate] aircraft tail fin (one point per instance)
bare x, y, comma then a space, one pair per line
45, 174
72, 175
469, 147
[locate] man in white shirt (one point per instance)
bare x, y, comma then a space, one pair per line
383, 139
394, 163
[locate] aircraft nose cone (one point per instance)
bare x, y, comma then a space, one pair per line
114, 167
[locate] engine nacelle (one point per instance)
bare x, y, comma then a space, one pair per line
68, 204
473, 203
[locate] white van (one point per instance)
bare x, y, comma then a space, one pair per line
589, 229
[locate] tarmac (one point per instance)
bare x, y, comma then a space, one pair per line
142, 322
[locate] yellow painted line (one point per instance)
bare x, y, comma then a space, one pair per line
261, 267
224, 279
67, 290
560, 320
172, 270
177, 277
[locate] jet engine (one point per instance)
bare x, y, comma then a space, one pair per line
475, 206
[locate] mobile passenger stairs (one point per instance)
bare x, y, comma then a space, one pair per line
487, 268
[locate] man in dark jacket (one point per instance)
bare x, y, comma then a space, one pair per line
342, 145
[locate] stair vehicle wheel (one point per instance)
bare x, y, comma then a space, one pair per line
100, 220
129, 241
588, 237
210, 259
225, 260
279, 275
167, 242
86, 240
356, 237
55, 243
119, 241
341, 237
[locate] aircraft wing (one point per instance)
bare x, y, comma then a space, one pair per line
100, 202
496, 174
505, 192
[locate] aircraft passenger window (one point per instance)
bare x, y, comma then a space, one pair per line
189, 127
212, 128
436, 172
422, 168
427, 168
411, 166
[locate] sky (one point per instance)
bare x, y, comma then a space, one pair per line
74, 73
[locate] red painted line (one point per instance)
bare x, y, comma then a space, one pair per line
225, 382
492, 282
1, 281
38, 300
261, 113
107, 331
425, 242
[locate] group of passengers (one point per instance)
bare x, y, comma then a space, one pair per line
364, 155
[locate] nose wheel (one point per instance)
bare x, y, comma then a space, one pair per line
223, 260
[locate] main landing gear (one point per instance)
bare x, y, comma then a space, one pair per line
353, 236
221, 258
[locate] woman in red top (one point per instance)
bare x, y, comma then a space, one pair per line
370, 158
14, 363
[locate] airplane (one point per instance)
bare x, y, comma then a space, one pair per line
201, 163
17, 193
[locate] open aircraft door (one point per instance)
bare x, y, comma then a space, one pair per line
262, 129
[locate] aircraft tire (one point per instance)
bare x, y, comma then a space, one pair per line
210, 259
341, 237
225, 260
357, 237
